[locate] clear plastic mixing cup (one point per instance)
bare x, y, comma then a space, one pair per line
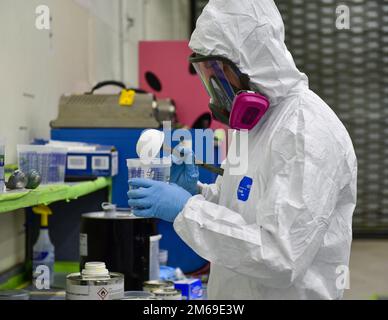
157, 169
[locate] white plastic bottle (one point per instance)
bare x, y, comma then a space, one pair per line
43, 256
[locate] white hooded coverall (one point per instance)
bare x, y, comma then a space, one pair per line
291, 238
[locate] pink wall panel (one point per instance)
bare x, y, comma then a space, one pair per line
168, 62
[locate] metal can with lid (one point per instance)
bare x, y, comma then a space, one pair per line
14, 295
121, 240
151, 286
138, 295
95, 282
168, 294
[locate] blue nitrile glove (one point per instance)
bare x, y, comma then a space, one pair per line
184, 172
156, 199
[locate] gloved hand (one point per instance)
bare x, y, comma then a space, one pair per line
155, 199
184, 172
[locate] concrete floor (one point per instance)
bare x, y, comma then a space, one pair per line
368, 269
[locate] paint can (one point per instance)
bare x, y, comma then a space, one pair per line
14, 295
151, 286
168, 294
95, 282
138, 295
122, 241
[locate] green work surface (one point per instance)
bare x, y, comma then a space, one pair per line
14, 200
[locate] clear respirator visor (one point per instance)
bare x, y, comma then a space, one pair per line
221, 79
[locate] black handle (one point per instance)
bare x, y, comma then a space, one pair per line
114, 83
211, 168
108, 83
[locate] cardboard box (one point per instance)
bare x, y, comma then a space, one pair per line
191, 288
100, 163
85, 159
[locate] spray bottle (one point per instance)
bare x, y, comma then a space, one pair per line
43, 250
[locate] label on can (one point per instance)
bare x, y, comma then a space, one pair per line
88, 292
83, 245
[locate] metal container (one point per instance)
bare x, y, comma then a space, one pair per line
104, 111
112, 288
14, 295
122, 241
168, 294
138, 295
165, 110
151, 286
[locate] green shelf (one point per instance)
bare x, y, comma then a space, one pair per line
14, 200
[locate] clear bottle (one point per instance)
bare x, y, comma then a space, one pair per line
43, 250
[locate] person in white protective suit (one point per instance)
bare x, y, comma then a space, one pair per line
289, 236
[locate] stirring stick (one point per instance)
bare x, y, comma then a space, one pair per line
214, 169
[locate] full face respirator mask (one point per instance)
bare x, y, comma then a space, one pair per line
231, 100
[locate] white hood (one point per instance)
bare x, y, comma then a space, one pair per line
251, 34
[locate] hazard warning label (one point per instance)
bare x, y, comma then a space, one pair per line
103, 293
